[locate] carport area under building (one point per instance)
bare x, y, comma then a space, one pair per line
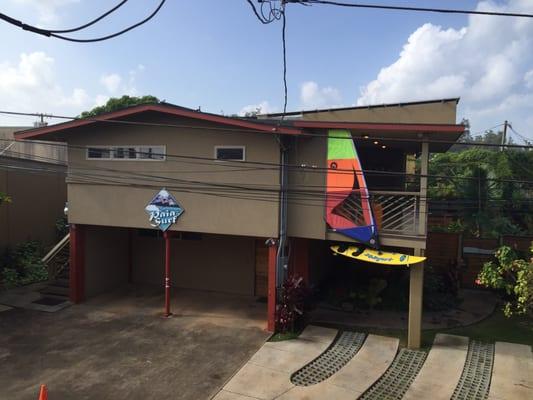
110, 257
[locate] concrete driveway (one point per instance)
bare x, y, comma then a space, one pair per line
117, 346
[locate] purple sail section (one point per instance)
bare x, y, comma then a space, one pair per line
364, 234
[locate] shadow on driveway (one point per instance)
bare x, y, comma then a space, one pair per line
118, 346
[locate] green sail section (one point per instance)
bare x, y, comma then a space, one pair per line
338, 147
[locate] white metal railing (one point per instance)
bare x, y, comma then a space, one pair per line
56, 260
395, 212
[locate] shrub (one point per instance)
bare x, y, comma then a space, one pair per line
23, 265
513, 276
440, 292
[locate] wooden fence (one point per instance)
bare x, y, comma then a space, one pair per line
451, 253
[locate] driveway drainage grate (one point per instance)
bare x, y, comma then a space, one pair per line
475, 380
342, 350
397, 379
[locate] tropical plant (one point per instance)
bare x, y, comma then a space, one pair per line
513, 276
291, 307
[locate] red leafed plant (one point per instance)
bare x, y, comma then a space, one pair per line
291, 306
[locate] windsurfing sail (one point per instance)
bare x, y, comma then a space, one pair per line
348, 208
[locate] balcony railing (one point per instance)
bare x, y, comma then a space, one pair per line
395, 212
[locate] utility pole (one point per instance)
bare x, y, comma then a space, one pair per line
504, 135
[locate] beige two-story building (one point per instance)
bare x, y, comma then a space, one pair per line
240, 182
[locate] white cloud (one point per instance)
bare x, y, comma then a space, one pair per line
111, 82
313, 96
528, 79
263, 108
47, 10
488, 63
31, 86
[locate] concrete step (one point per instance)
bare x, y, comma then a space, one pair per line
55, 290
61, 282
440, 374
512, 373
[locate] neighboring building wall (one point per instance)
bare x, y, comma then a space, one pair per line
106, 259
119, 204
38, 200
206, 262
423, 113
51, 152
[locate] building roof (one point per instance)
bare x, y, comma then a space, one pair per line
406, 132
319, 110
164, 108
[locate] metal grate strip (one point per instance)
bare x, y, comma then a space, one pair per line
342, 350
475, 380
396, 380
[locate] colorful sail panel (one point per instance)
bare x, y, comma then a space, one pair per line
346, 181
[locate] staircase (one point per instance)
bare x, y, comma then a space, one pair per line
57, 262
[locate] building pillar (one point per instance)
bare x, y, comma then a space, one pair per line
271, 299
416, 289
77, 263
300, 258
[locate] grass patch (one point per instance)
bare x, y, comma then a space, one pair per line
496, 328
278, 337
499, 328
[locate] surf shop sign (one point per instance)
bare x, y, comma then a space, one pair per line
163, 210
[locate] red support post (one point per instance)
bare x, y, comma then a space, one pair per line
130, 255
166, 235
271, 301
77, 263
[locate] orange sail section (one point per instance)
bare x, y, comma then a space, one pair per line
345, 178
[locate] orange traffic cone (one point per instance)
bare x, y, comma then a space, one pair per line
43, 394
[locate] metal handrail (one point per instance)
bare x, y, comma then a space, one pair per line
56, 249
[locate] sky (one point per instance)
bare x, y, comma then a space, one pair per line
216, 55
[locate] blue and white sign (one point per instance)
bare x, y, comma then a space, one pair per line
163, 210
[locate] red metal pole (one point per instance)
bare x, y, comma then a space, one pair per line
166, 235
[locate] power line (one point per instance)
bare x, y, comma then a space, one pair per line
257, 131
410, 8
274, 166
263, 166
525, 139
299, 198
90, 23
54, 33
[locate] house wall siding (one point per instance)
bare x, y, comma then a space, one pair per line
214, 210
306, 217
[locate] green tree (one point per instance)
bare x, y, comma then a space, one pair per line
117, 103
486, 188
513, 276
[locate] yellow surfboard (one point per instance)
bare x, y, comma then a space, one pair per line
376, 256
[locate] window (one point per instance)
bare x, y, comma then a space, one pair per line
98, 153
230, 153
146, 153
